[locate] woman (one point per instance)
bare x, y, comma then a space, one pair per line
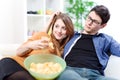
59, 32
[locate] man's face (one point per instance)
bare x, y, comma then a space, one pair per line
92, 23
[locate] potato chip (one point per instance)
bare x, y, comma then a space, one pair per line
46, 68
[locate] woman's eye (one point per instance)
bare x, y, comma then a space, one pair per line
64, 28
56, 26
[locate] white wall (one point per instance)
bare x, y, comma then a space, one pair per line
12, 21
113, 25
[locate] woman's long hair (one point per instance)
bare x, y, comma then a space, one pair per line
59, 45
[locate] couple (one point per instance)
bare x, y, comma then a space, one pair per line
86, 53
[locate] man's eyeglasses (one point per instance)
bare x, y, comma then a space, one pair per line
93, 21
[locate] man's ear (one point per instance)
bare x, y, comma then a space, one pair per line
103, 25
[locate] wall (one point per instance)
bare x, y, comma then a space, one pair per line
12, 21
113, 24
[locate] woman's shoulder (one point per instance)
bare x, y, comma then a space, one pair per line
41, 33
38, 35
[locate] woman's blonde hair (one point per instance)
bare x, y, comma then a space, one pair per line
59, 46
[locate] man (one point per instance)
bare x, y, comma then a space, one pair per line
87, 53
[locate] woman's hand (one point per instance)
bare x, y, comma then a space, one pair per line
39, 44
53, 15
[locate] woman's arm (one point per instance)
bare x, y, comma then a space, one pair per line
27, 47
24, 49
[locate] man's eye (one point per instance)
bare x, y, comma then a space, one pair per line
96, 22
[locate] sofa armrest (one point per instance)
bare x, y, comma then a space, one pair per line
113, 67
8, 49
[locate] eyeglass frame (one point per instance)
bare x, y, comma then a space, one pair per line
93, 21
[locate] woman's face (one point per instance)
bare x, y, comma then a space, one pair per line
59, 30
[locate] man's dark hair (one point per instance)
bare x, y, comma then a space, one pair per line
102, 12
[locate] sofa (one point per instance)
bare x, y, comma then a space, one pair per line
112, 70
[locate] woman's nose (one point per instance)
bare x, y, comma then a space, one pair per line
59, 30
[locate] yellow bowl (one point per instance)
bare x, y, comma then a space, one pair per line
42, 58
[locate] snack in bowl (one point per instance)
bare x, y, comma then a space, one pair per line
45, 68
41, 66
